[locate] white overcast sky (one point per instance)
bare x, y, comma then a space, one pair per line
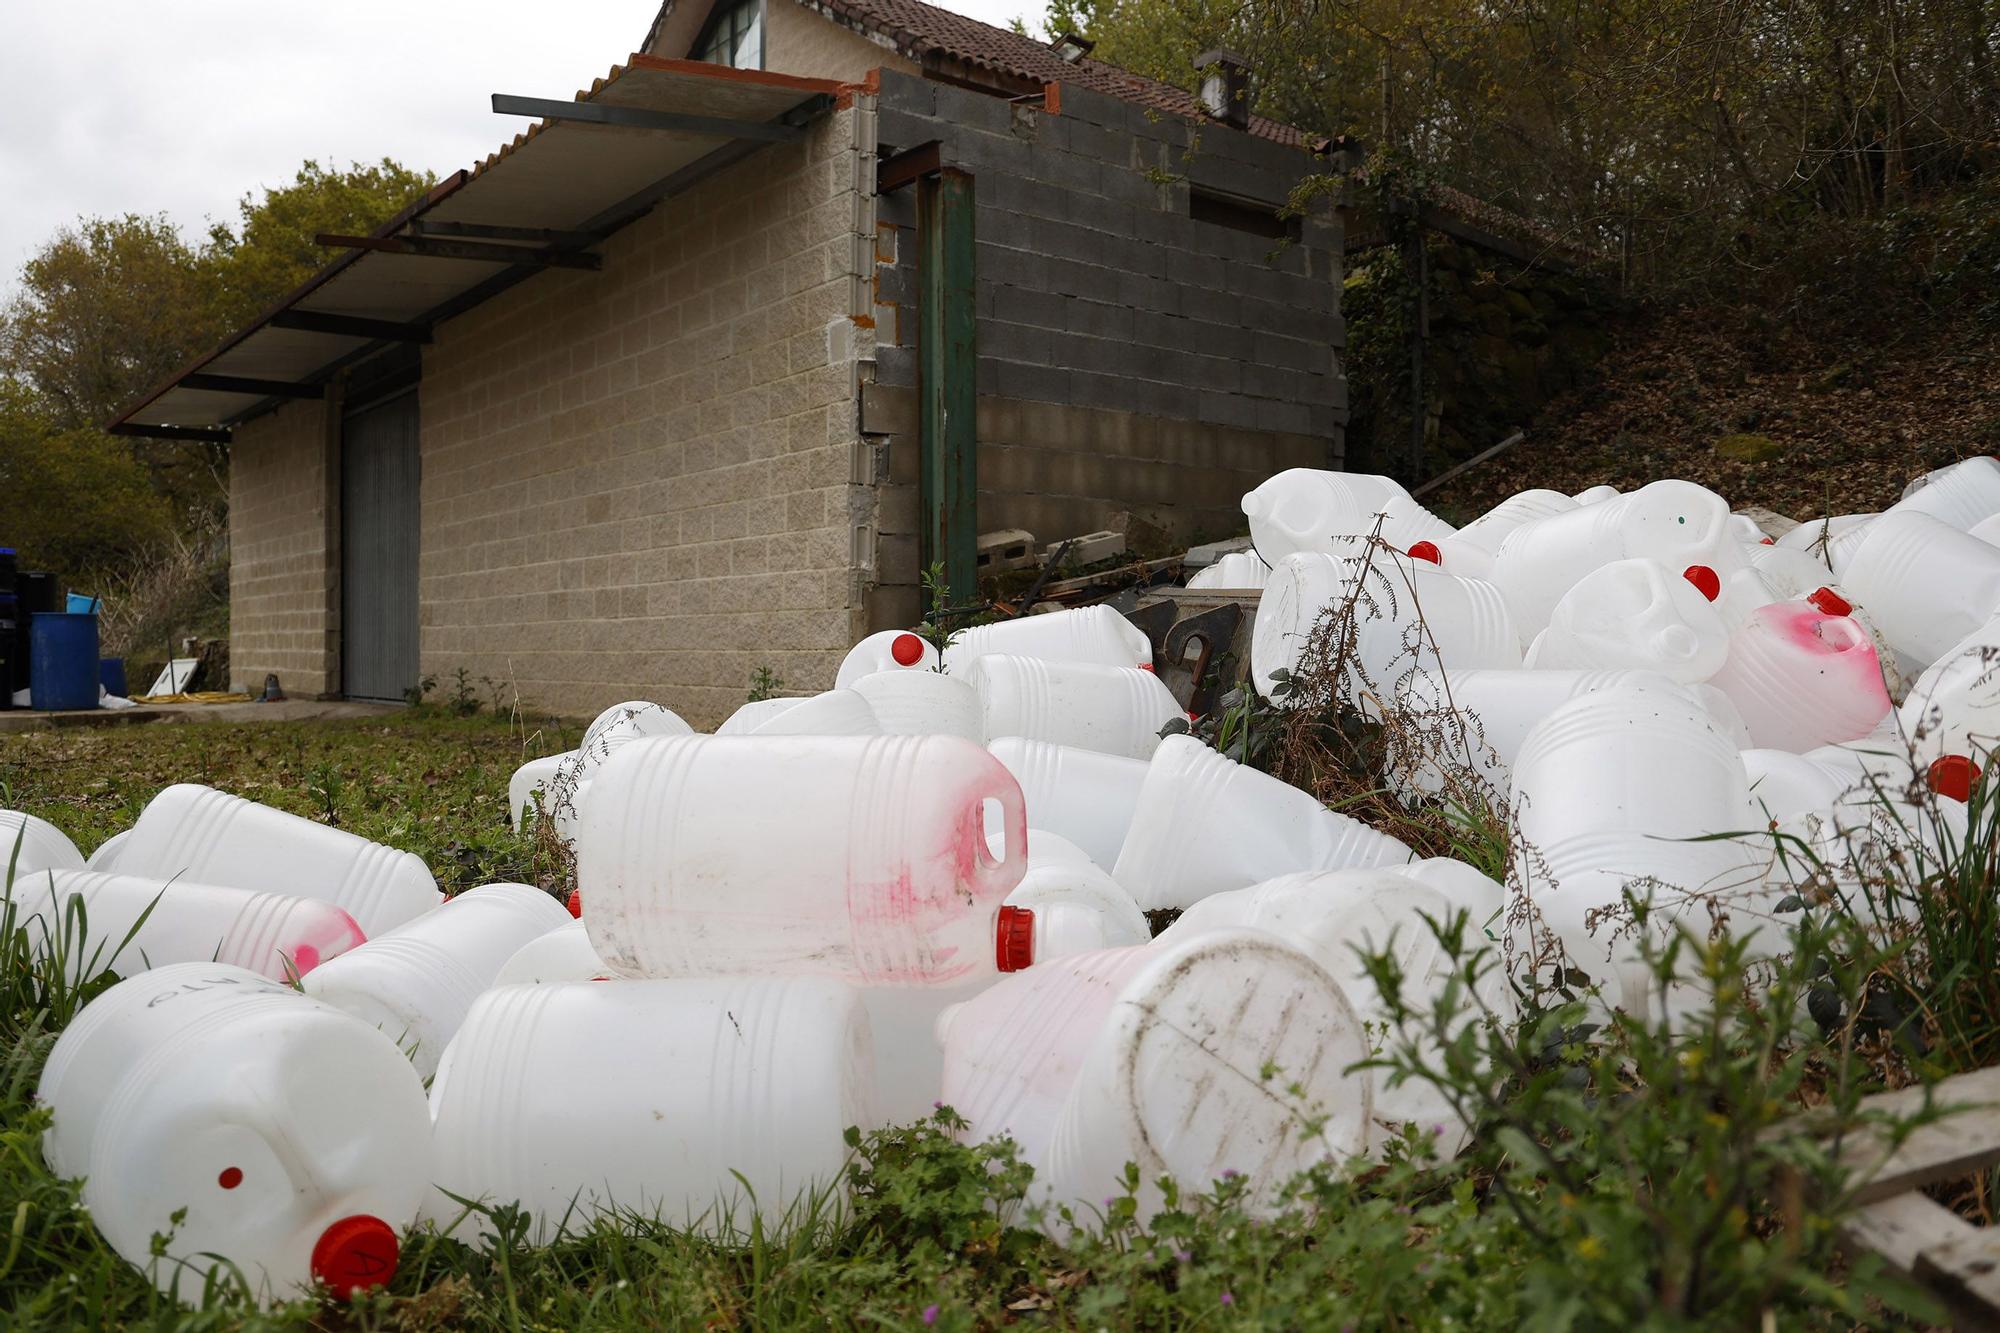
183, 106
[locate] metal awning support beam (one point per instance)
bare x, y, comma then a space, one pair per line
207, 383
641, 118
476, 251
482, 231
350, 326
913, 164
205, 434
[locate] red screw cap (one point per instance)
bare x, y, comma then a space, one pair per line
1767, 541
907, 649
1830, 602
574, 902
355, 1254
1704, 578
1954, 776
1427, 551
1014, 939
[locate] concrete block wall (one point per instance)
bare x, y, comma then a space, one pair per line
284, 564
1130, 356
639, 483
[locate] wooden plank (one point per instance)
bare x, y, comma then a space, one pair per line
1964, 1139
1901, 1228
1965, 1272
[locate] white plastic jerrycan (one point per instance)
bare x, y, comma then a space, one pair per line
207, 836
1954, 707
1206, 823
1234, 569
923, 703
587, 1099
1308, 509
1802, 678
1965, 494
1340, 917
888, 650
291, 1140
1116, 710
417, 982
1626, 760
1076, 906
28, 843
834, 713
1083, 795
1471, 551
130, 924
857, 857
1408, 616
1785, 784
1677, 523
1092, 634
1927, 584
562, 954
1224, 1053
1634, 615
1628, 789
1466, 727
616, 727
525, 789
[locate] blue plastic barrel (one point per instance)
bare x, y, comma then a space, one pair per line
62, 660
111, 675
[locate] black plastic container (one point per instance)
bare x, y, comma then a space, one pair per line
34, 590
10, 618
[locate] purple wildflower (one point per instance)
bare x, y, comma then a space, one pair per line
930, 1314
1228, 1298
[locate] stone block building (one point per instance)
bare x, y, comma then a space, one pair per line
644, 401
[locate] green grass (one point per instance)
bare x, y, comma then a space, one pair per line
1622, 1176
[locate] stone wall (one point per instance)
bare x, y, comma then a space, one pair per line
284, 567
639, 483
1131, 355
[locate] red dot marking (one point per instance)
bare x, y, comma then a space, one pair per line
1768, 541
1427, 551
907, 649
1704, 578
231, 1177
1830, 602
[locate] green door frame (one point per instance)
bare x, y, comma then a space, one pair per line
948, 379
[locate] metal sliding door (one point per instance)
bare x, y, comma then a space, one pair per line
379, 520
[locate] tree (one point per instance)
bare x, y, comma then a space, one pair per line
72, 499
106, 308
273, 249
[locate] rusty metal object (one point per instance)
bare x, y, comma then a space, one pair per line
1191, 658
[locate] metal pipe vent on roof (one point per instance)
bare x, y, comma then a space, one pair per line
1225, 86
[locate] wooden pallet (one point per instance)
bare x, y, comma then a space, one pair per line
1919, 1237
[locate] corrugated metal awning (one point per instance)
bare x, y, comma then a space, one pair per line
637, 137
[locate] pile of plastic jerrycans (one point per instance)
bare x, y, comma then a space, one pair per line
940, 883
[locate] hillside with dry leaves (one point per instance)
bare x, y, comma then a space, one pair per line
1790, 421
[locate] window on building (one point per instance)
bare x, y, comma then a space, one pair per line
734, 35
1259, 219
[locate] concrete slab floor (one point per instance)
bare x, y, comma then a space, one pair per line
287, 710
